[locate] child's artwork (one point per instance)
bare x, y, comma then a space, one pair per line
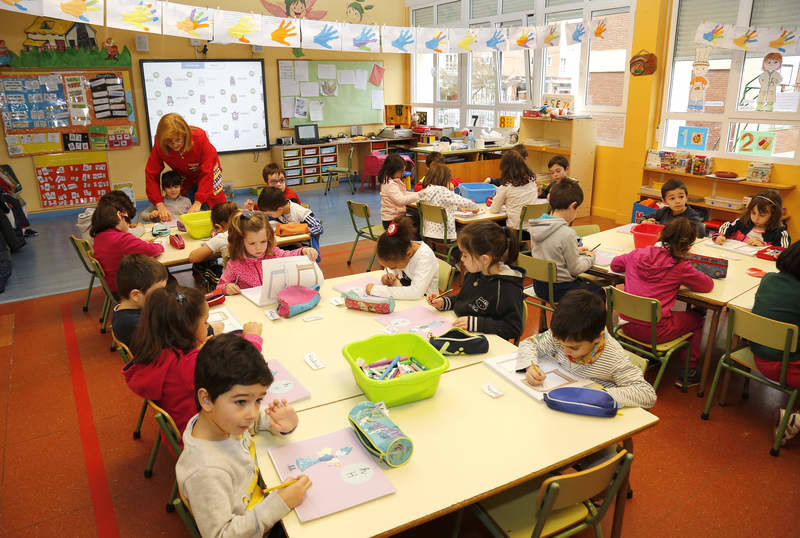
699, 83
281, 32
508, 367
280, 273
358, 285
135, 15
322, 35
29, 7
737, 246
492, 39
575, 33
90, 11
417, 319
465, 39
226, 317
360, 38
769, 81
522, 38
430, 40
284, 385
187, 21
551, 35
235, 27
342, 471
397, 39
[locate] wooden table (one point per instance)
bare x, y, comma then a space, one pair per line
467, 446
288, 340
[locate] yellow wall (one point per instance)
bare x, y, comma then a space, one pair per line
243, 169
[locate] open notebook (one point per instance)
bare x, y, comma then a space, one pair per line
280, 273
507, 366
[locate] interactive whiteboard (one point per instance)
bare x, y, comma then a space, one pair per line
225, 98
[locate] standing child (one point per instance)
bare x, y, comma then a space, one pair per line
218, 471
251, 241
394, 196
659, 272
579, 343
675, 194
518, 189
410, 263
490, 300
559, 171
759, 224
137, 275
171, 183
438, 192
172, 330
272, 202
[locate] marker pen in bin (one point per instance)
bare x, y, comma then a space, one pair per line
391, 366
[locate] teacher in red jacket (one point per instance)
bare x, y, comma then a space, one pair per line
188, 151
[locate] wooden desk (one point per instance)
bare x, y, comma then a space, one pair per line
485, 214
456, 462
288, 340
475, 168
745, 300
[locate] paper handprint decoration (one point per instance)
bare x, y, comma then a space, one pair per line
433, 40
360, 38
322, 35
136, 15
281, 32
29, 7
397, 39
235, 27
522, 38
90, 11
575, 33
187, 21
550, 35
463, 39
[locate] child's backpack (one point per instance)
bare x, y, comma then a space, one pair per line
296, 300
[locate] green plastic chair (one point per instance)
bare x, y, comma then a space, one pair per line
446, 274
544, 271
586, 229
370, 231
127, 356
436, 214
110, 300
767, 332
334, 172
84, 250
184, 510
647, 310
167, 427
561, 505
528, 212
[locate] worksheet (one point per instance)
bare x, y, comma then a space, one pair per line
508, 366
225, 316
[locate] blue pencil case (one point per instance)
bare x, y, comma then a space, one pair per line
379, 435
581, 401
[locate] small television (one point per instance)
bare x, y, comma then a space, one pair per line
306, 133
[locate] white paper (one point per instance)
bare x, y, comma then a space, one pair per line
280, 273
346, 76
556, 376
286, 70
309, 89
226, 317
301, 71
361, 79
287, 107
315, 111
326, 71
12, 140
135, 16
187, 21
377, 99
39, 138
736, 246
300, 107
290, 88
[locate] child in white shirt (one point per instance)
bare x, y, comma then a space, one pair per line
217, 246
438, 192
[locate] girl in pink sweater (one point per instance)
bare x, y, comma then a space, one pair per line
394, 196
251, 241
659, 272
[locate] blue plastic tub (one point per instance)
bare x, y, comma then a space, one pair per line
477, 192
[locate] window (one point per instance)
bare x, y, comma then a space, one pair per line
562, 64
450, 12
483, 79
482, 8
448, 77
514, 6
608, 60
423, 17
513, 82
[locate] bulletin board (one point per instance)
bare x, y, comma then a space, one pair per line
52, 111
71, 179
347, 99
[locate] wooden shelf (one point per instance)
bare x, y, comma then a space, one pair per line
776, 186
549, 149
708, 206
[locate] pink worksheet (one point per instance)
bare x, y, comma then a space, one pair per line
284, 386
418, 319
358, 285
342, 472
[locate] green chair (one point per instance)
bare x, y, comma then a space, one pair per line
646, 310
334, 172
84, 250
110, 301
436, 214
185, 511
167, 428
639, 362
370, 231
544, 271
127, 357
527, 213
446, 274
767, 332
561, 505
586, 229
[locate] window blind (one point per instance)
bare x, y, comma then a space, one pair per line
482, 8
447, 13
775, 13
515, 6
691, 13
424, 17
575, 14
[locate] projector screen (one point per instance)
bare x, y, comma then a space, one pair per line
225, 98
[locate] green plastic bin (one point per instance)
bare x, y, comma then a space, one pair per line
198, 224
406, 388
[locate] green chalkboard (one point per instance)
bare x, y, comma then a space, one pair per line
349, 106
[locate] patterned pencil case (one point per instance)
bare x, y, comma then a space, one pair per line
376, 305
379, 435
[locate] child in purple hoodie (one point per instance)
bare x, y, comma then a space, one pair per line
659, 272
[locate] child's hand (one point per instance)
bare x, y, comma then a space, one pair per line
648, 221
310, 253
585, 251
387, 279
232, 289
460, 322
436, 302
534, 376
720, 239
468, 209
249, 204
293, 495
752, 241
487, 180
217, 327
282, 416
153, 215
252, 327
163, 213
368, 288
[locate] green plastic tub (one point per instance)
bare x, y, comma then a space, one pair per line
406, 388
198, 224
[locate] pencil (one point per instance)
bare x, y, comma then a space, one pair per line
442, 294
595, 247
236, 282
279, 486
536, 369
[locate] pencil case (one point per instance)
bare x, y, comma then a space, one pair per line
379, 435
581, 401
376, 305
296, 300
460, 342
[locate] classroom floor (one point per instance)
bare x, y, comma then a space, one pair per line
70, 466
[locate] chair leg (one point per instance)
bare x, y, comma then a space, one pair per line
685, 386
137, 433
107, 319
328, 184
776, 446
89, 294
746, 389
148, 471
371, 261
714, 383
723, 396
352, 179
103, 310
660, 373
352, 250
172, 496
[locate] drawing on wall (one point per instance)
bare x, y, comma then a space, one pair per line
187, 21
360, 38
75, 10
355, 10
298, 9
31, 7
397, 39
769, 80
699, 82
284, 32
136, 15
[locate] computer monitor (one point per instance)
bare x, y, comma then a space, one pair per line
306, 133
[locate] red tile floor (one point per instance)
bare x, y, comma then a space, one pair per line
71, 468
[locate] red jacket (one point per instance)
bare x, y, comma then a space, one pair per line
290, 195
111, 245
169, 381
198, 166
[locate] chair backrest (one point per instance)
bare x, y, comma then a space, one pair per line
586, 229
432, 213
532, 211
445, 275
84, 250
350, 158
542, 270
168, 427
358, 210
765, 331
124, 351
644, 309
101, 275
639, 362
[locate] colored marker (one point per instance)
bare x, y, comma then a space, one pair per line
391, 366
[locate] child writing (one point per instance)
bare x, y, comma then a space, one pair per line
759, 224
137, 275
251, 241
579, 343
675, 195
412, 264
272, 202
659, 272
274, 176
437, 192
217, 246
490, 300
559, 171
394, 196
523, 152
118, 199
218, 470
171, 182
518, 188
553, 239
433, 158
171, 331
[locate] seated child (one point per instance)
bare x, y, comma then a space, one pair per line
274, 176
490, 300
116, 198
412, 264
394, 196
553, 239
559, 171
778, 298
217, 246
171, 182
218, 471
438, 192
659, 272
579, 343
137, 275
171, 331
278, 208
518, 188
675, 195
251, 241
759, 224
110, 225
433, 157
523, 152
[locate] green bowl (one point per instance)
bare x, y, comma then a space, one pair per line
198, 224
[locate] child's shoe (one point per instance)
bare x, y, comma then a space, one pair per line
692, 381
792, 426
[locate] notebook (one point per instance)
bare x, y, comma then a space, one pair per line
280, 273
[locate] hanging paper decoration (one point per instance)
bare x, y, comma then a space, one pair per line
575, 33
29, 7
397, 39
234, 27
699, 82
769, 80
463, 39
754, 39
550, 35
323, 35
281, 32
522, 38
712, 34
780, 40
491, 40
90, 11
432, 40
599, 28
136, 15
744, 37
360, 38
187, 21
